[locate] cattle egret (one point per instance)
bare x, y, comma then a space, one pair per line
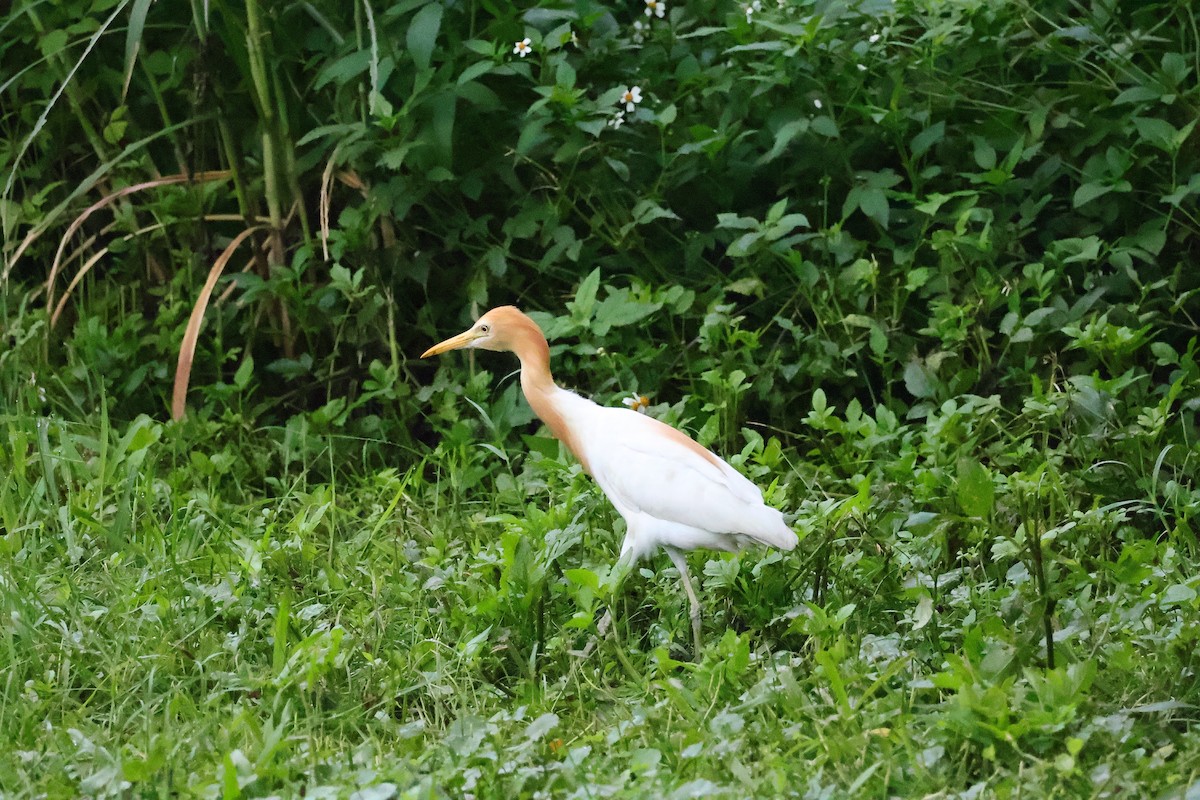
672, 492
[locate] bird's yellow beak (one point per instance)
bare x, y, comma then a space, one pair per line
463, 339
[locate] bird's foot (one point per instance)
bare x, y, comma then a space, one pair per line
588, 649
601, 629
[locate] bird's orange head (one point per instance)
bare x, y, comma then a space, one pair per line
503, 328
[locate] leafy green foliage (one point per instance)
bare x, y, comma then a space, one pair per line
923, 270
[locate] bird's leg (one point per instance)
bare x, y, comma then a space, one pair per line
680, 562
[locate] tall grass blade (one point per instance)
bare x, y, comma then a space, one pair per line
187, 350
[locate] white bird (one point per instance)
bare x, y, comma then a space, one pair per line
672, 492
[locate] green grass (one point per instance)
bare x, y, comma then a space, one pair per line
208, 609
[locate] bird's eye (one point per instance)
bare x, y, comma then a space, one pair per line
485, 328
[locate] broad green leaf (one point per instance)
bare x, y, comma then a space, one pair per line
984, 154
648, 211
928, 138
481, 47
532, 134
445, 110
825, 126
585, 295
422, 34
878, 341
743, 245
393, 159
746, 286
917, 380
733, 221
564, 76
474, 71
923, 612
52, 41
496, 262
583, 577
819, 402
976, 494
479, 95
114, 131
1182, 191
1177, 594
784, 137
874, 204
340, 72
541, 726
617, 310
619, 167
241, 378
775, 212
1175, 67
785, 225
1137, 94
1089, 192
1157, 132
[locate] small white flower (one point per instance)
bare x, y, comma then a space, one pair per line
862, 67
638, 402
656, 8
639, 31
818, 103
617, 120
574, 38
873, 38
752, 8
630, 97
522, 48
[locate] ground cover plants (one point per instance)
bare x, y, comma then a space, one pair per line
927, 271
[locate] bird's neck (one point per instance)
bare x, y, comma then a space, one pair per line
543, 395
534, 353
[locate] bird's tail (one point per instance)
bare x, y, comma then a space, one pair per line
767, 527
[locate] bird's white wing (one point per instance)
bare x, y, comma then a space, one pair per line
647, 467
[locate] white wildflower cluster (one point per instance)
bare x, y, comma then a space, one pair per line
637, 402
654, 9
630, 97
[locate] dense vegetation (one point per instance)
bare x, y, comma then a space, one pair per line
926, 270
